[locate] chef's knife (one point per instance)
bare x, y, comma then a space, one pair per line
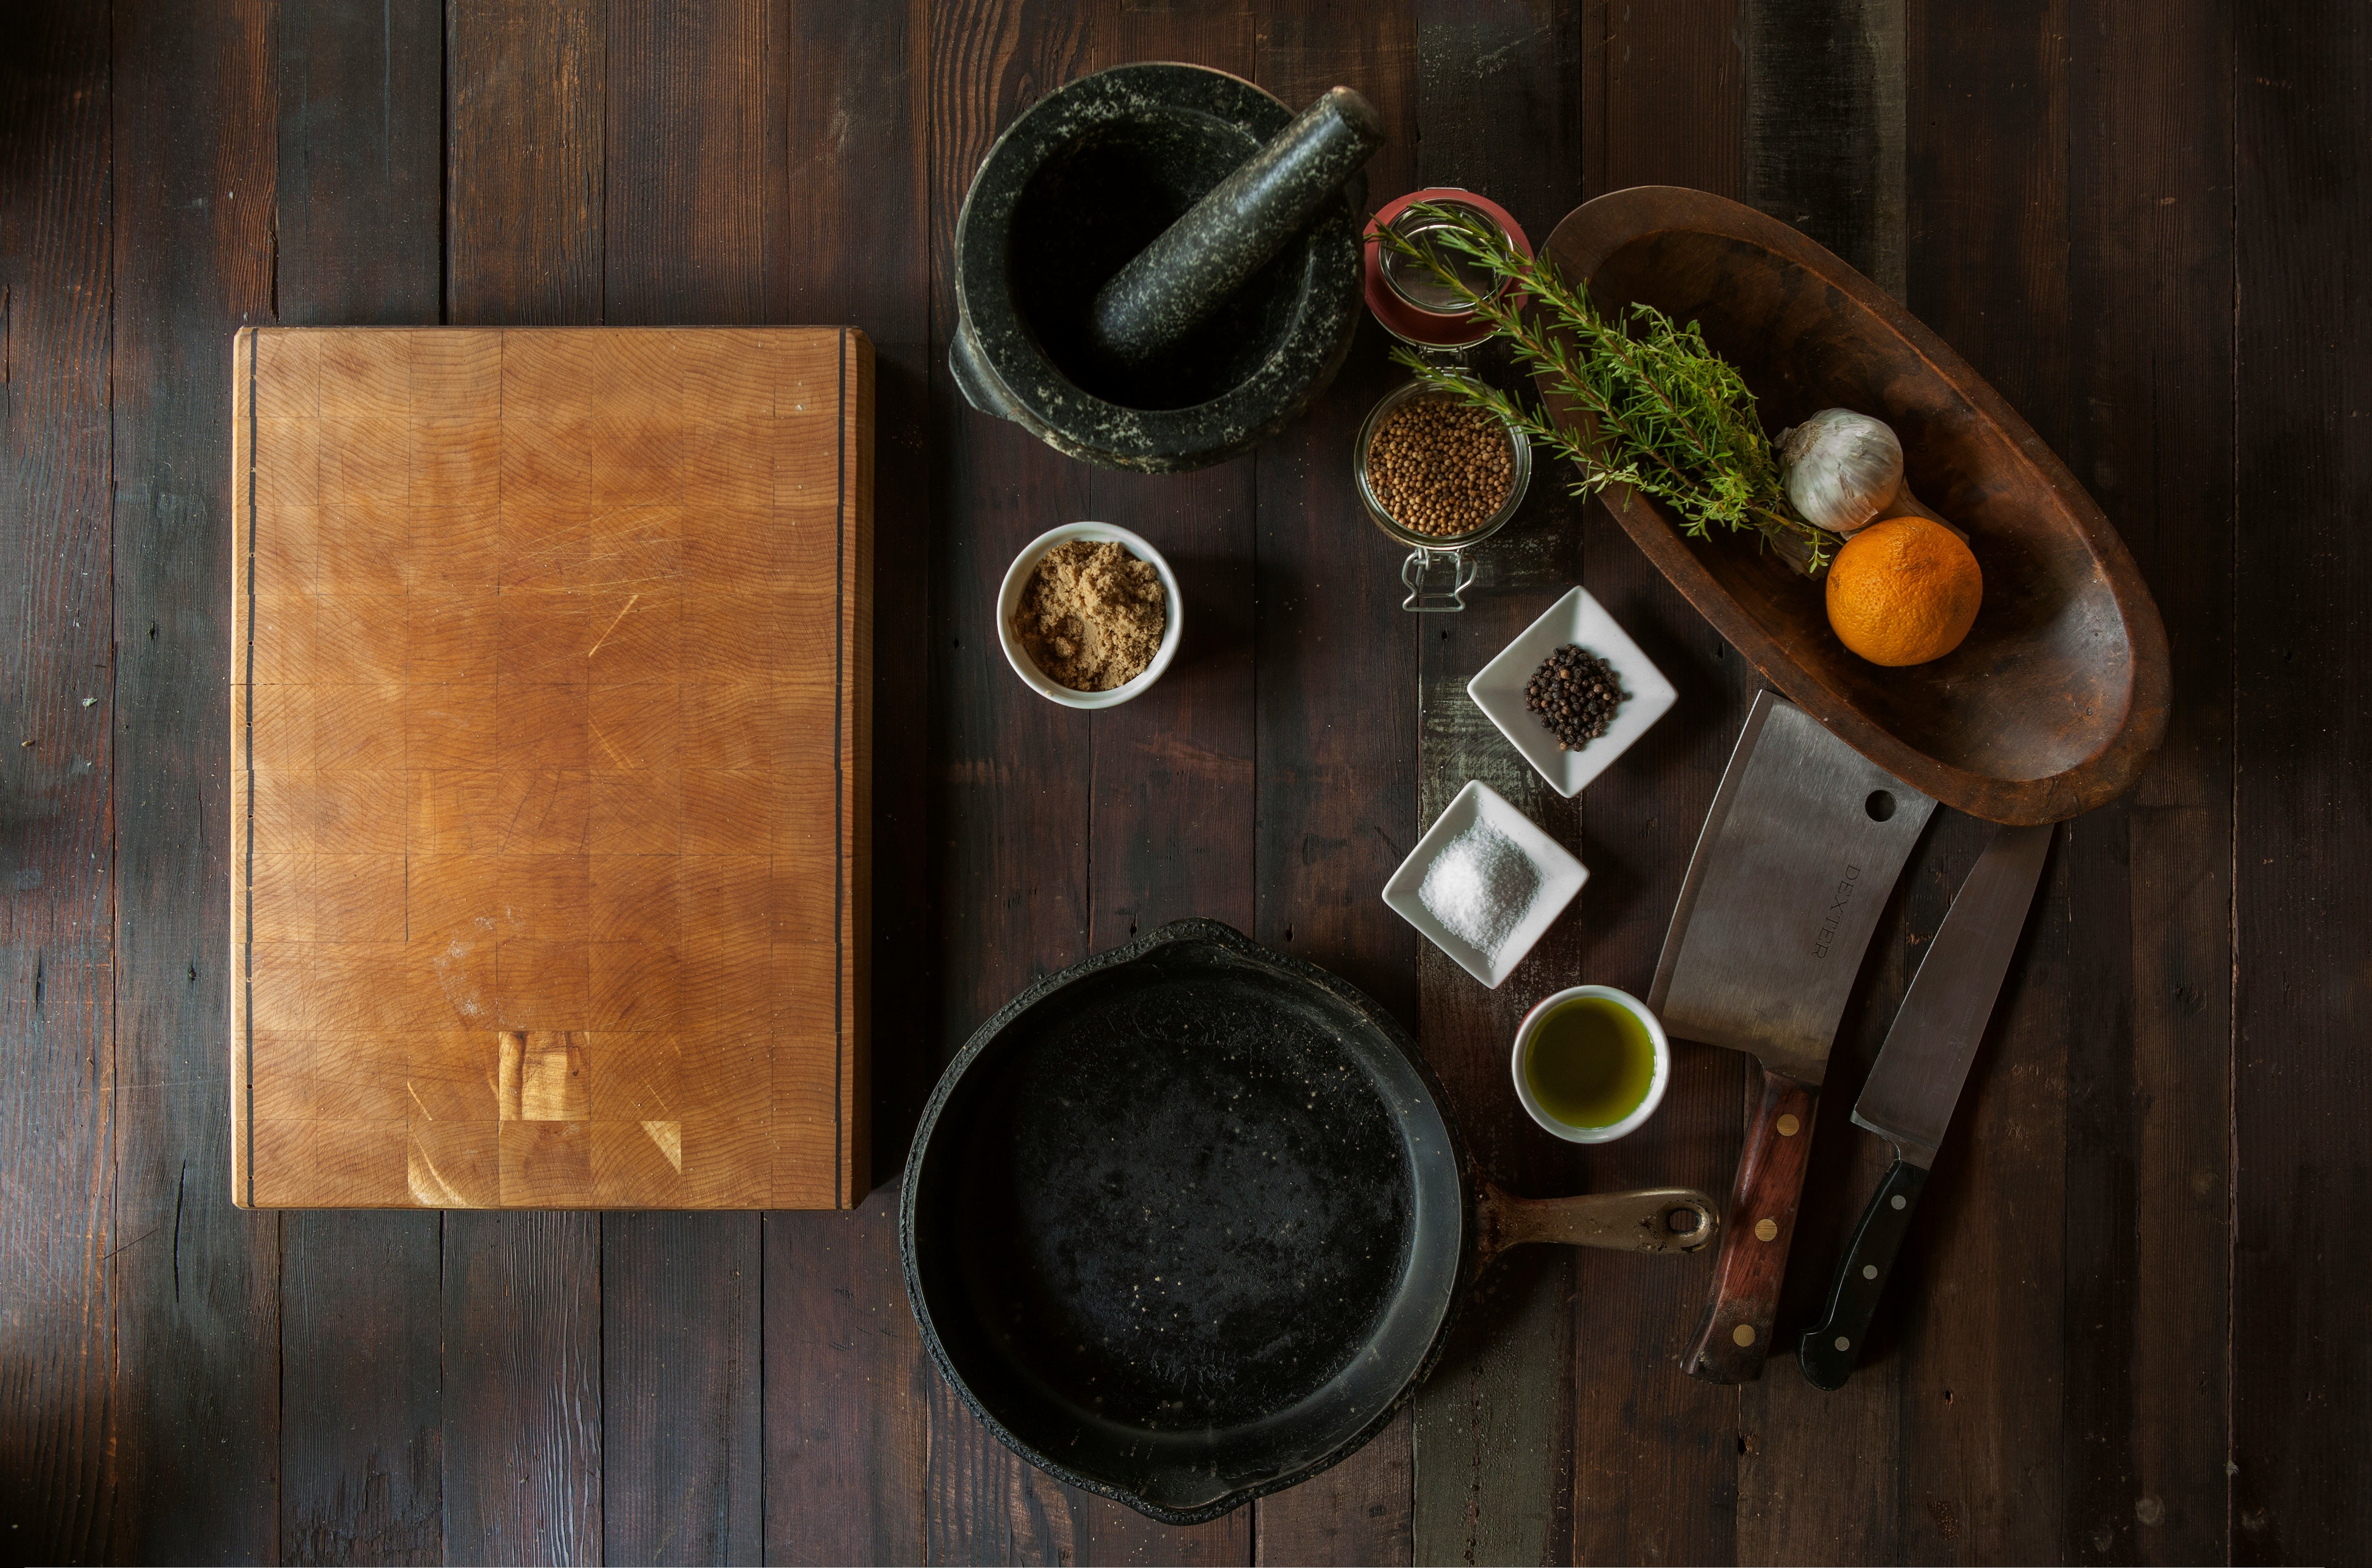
1917, 1078
1803, 842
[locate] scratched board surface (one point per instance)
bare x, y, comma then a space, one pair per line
546, 707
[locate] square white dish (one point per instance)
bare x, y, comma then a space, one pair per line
1561, 877
1498, 690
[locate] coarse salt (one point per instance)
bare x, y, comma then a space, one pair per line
1480, 887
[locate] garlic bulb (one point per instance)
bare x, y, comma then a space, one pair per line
1843, 470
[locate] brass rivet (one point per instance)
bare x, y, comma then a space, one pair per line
1844, 1344
1743, 1333
1766, 1229
1869, 1270
1789, 1126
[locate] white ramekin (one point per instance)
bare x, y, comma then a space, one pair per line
1008, 599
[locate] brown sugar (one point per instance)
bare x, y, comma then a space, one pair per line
1092, 615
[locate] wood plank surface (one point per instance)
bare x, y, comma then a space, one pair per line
2133, 219
58, 1186
1983, 1281
2151, 158
1659, 1456
844, 1411
1496, 111
1826, 146
1336, 670
2302, 646
1010, 783
198, 1355
523, 225
1168, 824
362, 1454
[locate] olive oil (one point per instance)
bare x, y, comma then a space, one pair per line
1590, 1063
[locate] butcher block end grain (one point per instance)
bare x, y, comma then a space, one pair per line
550, 724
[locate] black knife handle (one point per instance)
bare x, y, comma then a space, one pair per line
1827, 1354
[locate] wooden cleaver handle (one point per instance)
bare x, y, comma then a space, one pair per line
1736, 1334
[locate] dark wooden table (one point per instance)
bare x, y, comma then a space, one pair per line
2122, 1332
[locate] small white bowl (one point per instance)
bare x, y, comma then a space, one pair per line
1561, 877
1008, 599
1498, 690
1655, 1088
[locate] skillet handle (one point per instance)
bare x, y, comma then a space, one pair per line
1660, 1219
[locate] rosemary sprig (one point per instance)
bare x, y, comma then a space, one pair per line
1672, 418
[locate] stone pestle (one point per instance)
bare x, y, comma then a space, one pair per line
1166, 290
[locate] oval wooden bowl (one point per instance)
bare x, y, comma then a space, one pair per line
2058, 697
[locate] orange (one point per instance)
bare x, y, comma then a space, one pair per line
1904, 591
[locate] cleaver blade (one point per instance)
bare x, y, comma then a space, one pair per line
1802, 845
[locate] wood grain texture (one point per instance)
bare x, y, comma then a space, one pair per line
696, 224
360, 1323
1824, 126
1337, 796
1985, 1282
523, 245
2059, 1372
57, 1185
2301, 639
197, 1354
524, 1401
2057, 699
2152, 151
1170, 813
368, 165
1496, 111
844, 1417
1657, 1455
526, 152
847, 1394
510, 939
1757, 1228
361, 109
681, 1352
1013, 771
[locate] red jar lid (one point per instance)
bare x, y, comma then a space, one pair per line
1401, 316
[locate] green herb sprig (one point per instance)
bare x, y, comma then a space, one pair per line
1668, 417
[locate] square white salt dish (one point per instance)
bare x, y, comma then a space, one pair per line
1559, 875
1498, 690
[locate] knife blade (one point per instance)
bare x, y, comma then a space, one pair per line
1917, 1078
1800, 848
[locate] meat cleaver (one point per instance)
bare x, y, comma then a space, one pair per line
1803, 843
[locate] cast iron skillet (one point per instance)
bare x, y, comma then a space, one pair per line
1185, 1223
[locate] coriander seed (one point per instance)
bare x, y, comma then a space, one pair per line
1439, 467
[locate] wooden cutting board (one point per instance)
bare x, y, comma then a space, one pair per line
550, 734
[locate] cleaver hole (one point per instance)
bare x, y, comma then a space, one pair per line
1880, 806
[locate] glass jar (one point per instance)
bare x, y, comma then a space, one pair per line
1404, 296
1428, 552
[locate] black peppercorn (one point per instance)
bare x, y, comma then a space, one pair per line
1576, 696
